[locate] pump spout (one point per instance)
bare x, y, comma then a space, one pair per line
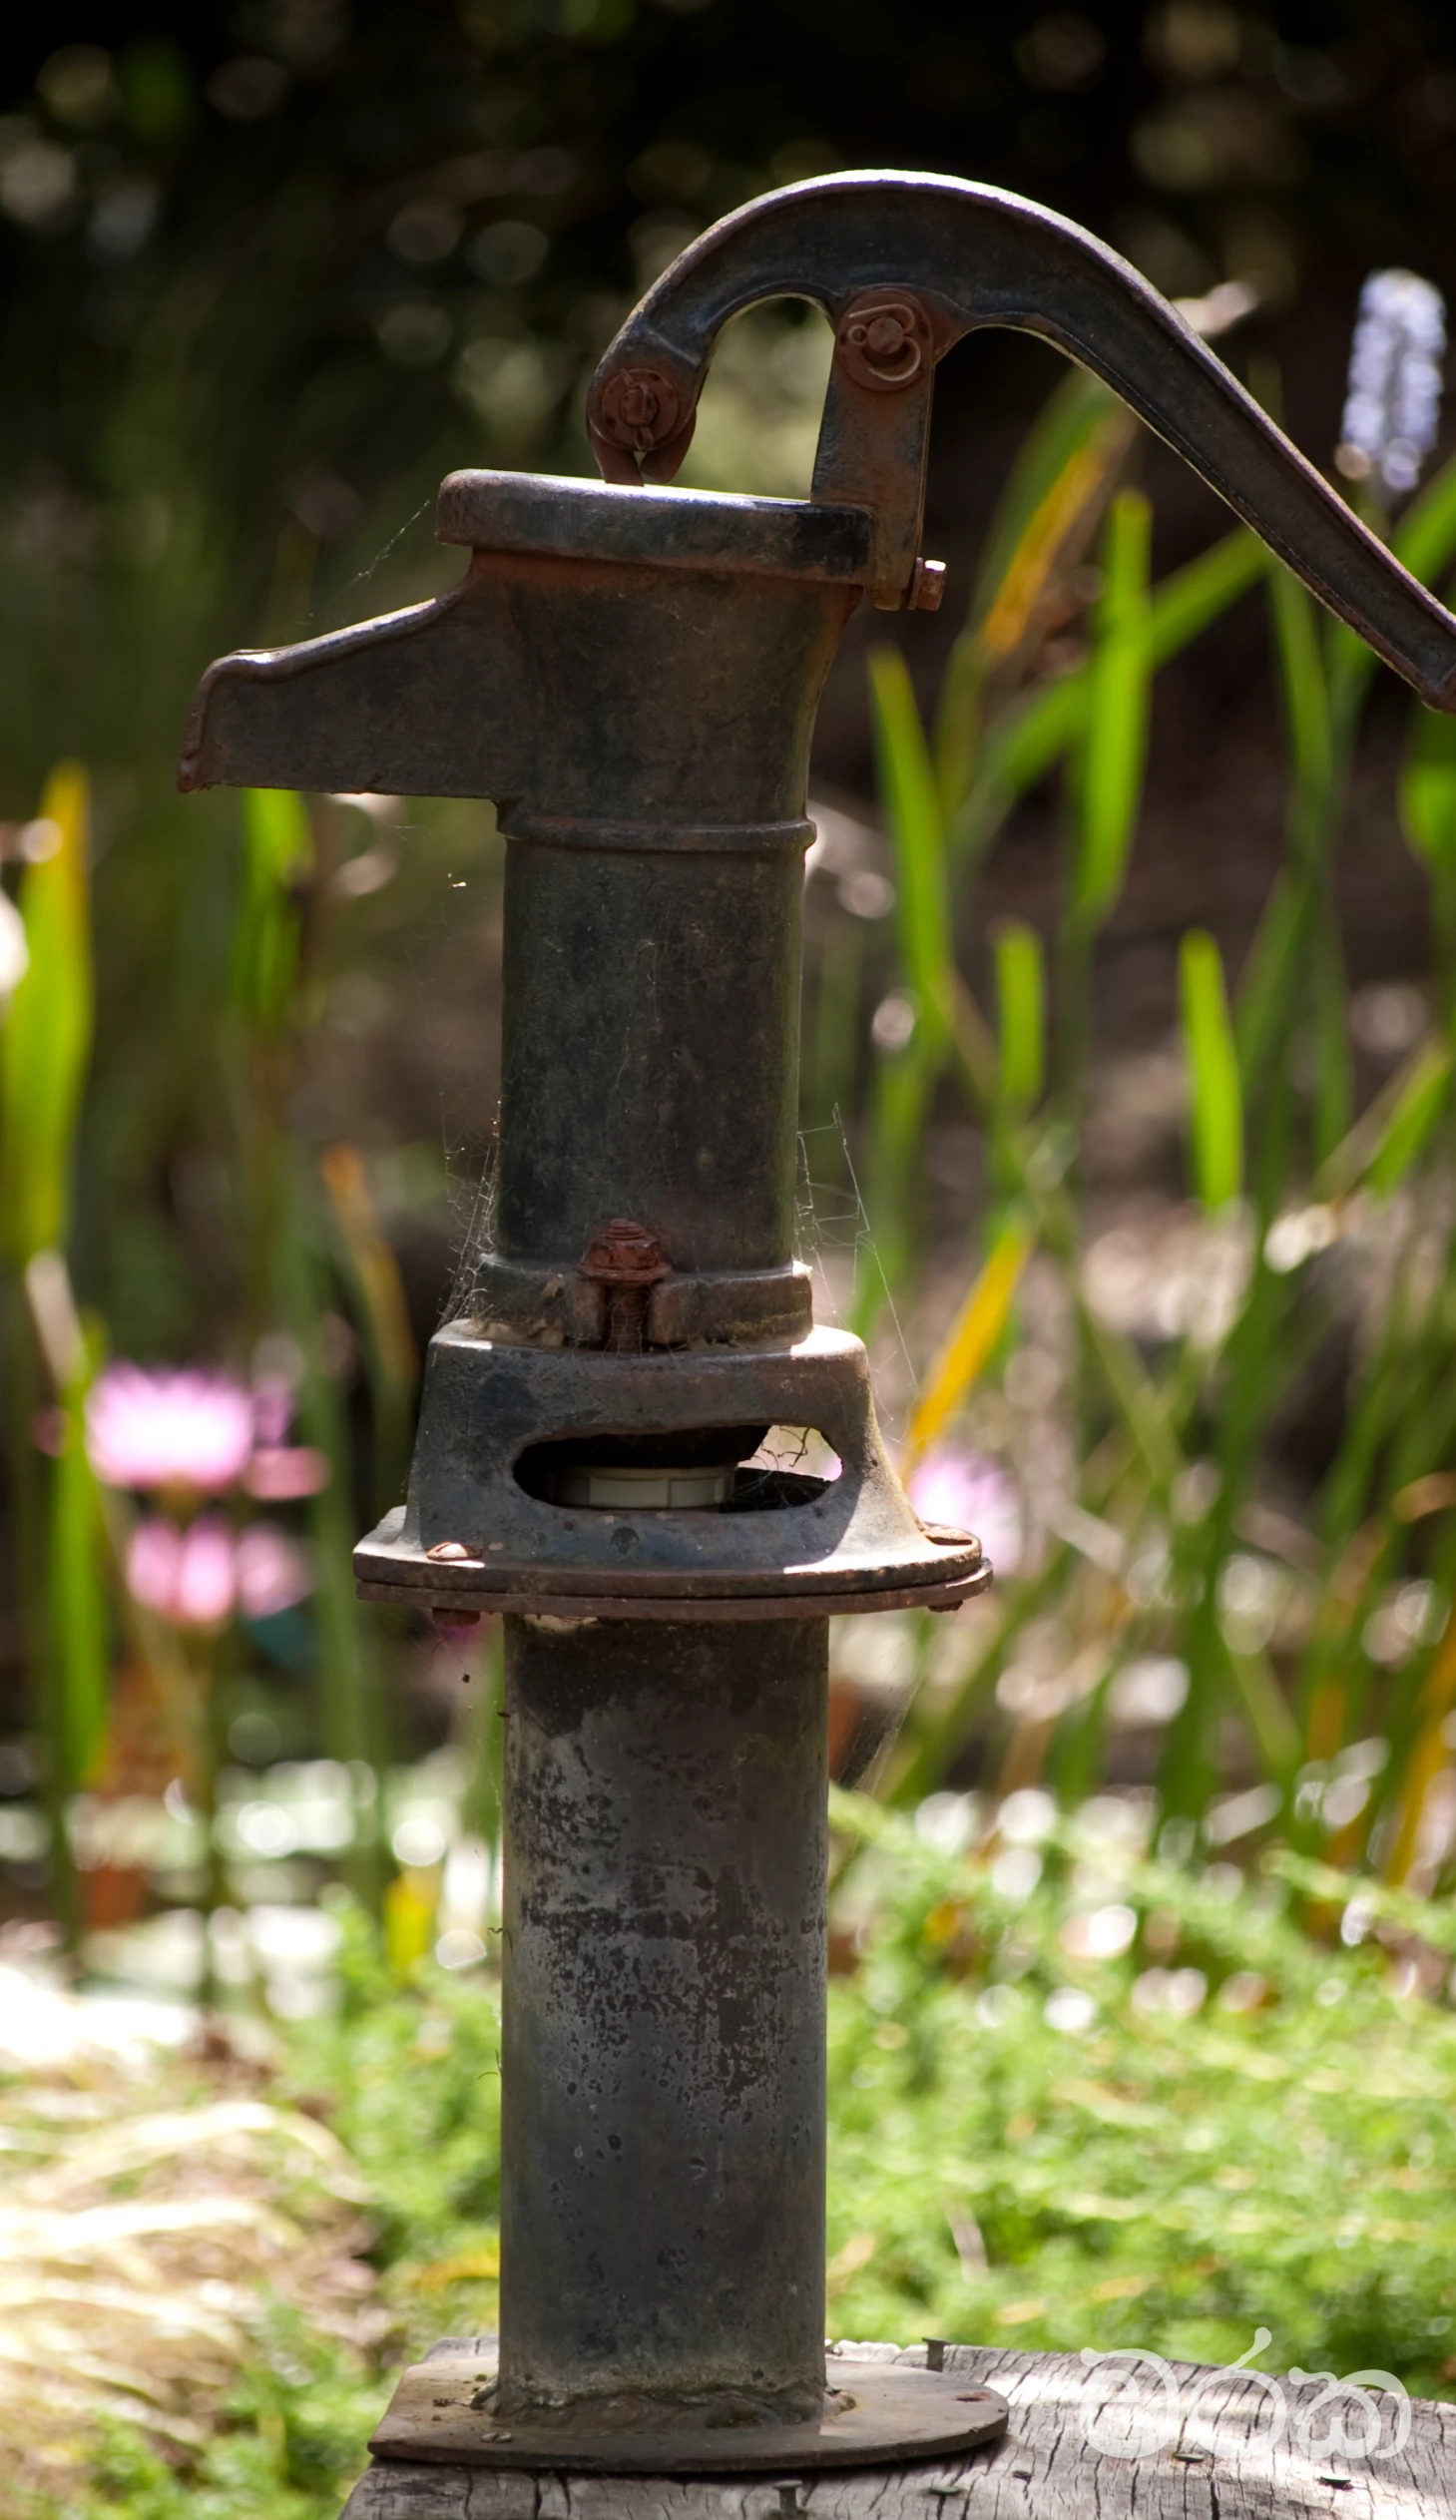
424, 701
627, 664
939, 259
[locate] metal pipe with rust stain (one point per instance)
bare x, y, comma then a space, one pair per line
664, 1961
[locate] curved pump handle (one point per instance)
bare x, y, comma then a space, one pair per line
905, 265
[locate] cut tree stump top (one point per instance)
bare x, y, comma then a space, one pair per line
1119, 2439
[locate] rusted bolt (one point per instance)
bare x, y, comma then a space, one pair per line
885, 342
638, 404
639, 408
625, 1259
449, 1552
883, 336
625, 1254
927, 586
935, 2353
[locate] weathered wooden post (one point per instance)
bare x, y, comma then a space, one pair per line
632, 672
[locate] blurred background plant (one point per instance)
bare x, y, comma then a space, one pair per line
1126, 1141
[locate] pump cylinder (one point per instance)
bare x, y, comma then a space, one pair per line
649, 1047
665, 1963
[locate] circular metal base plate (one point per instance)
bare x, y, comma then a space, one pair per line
542, 1603
875, 2413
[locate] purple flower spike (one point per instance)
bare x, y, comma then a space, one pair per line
1393, 396
169, 1428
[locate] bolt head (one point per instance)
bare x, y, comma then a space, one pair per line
639, 407
625, 1254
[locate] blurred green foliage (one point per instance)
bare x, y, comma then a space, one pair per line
1075, 2095
1159, 1543
265, 280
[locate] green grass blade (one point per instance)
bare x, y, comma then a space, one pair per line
912, 806
45, 1042
1427, 789
1194, 596
1268, 974
972, 1338
1333, 1098
1412, 1121
1031, 737
72, 1646
1215, 1098
1115, 750
79, 1622
1021, 1015
1305, 693
278, 855
1425, 539
1073, 413
1048, 513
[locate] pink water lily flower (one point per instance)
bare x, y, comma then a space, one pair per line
273, 1572
970, 1491
161, 1427
187, 1576
197, 1576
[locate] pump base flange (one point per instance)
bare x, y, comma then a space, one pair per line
474, 1536
876, 2413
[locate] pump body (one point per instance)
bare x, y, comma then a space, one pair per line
632, 673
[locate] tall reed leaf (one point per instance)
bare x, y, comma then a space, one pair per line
1393, 1127
973, 1335
79, 1652
1421, 1101
1020, 1014
277, 856
1074, 418
1216, 1113
393, 1361
1427, 791
912, 802
1114, 748
1425, 538
45, 1042
1046, 516
1031, 737
1306, 694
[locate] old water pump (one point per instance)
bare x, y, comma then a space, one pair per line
631, 673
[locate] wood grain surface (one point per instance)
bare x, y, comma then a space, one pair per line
1105, 2442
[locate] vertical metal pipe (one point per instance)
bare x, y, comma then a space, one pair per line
666, 1089
665, 1958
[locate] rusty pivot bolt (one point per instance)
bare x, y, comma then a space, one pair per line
640, 408
927, 586
638, 405
885, 342
882, 338
625, 1259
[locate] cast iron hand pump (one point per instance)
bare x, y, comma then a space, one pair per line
632, 672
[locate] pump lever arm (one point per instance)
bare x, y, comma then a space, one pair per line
929, 258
